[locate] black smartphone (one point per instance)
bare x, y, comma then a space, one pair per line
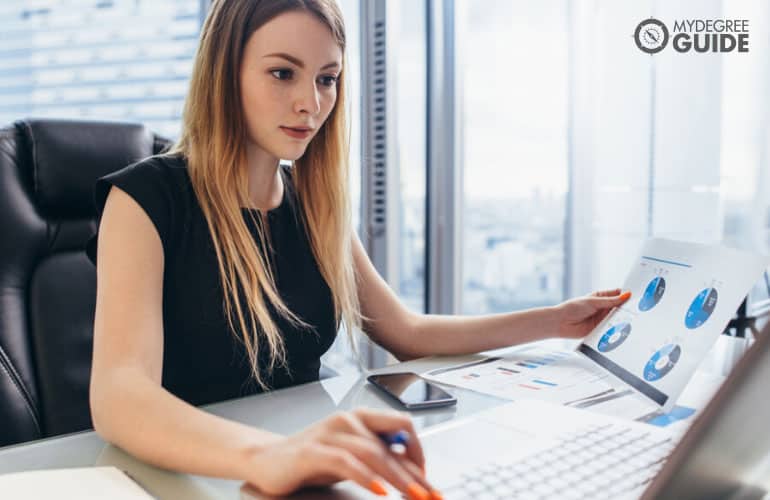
411, 390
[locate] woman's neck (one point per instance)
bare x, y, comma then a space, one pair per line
265, 182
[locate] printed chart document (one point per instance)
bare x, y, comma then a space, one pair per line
564, 377
558, 376
83, 483
683, 296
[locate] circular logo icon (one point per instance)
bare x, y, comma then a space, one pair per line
651, 36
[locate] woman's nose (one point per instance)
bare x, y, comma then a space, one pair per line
307, 100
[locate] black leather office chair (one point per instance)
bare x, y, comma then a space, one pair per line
47, 284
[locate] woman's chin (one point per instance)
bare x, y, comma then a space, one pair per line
292, 154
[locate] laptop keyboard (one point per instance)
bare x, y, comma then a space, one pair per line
599, 461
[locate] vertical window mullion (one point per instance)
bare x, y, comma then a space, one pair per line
444, 163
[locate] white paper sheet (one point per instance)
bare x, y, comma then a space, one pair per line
534, 373
684, 294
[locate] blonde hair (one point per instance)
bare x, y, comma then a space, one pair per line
213, 141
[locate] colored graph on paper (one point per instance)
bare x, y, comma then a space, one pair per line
684, 294
535, 373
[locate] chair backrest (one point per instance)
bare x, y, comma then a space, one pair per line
47, 284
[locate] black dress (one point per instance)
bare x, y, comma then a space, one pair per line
203, 361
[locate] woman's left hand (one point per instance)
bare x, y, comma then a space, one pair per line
576, 318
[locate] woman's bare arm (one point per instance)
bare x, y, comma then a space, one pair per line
129, 406
410, 335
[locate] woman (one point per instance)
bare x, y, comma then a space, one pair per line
222, 274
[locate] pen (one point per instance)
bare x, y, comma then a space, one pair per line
400, 437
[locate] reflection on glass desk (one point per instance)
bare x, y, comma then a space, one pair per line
275, 411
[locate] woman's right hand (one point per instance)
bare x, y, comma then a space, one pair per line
341, 447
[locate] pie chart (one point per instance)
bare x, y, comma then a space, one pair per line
615, 336
662, 362
652, 294
701, 308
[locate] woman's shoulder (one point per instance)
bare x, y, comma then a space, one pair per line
158, 174
160, 186
170, 167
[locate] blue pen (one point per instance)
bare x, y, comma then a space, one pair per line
400, 437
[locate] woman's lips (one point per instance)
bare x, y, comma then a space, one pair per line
297, 133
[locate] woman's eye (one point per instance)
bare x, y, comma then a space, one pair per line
328, 80
282, 74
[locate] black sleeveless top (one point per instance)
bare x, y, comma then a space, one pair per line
203, 361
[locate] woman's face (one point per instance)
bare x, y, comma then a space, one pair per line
288, 82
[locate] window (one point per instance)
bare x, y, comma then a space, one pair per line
513, 67
745, 135
411, 110
665, 157
105, 60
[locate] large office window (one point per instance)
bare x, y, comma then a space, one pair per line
512, 62
410, 123
745, 141
577, 146
745, 135
107, 60
674, 145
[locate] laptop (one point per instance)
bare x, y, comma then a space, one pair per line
535, 449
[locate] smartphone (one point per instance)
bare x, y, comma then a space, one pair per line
411, 390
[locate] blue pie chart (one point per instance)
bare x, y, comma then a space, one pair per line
701, 308
662, 362
652, 294
615, 336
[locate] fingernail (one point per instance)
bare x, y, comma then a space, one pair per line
377, 488
436, 495
417, 492
625, 295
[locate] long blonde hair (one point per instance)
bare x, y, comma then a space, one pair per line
213, 141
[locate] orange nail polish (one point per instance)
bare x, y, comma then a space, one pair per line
417, 492
377, 488
436, 495
625, 295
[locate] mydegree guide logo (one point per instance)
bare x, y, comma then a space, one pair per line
698, 35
